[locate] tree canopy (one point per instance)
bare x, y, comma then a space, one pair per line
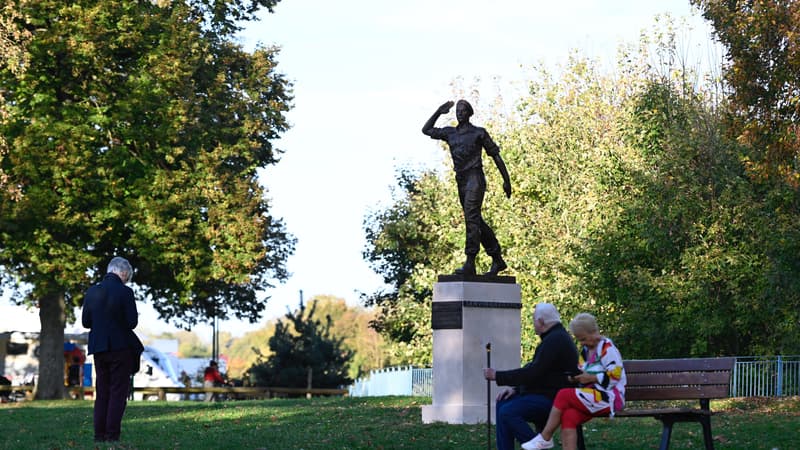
763, 75
136, 129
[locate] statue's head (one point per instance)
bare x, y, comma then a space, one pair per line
463, 111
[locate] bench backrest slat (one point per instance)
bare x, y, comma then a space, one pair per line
678, 379
679, 365
693, 378
677, 393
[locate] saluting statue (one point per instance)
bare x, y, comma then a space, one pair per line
466, 141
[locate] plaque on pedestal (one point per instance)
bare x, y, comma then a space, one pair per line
468, 313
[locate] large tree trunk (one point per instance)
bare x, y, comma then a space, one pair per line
51, 348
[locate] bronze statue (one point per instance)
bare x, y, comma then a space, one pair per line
466, 141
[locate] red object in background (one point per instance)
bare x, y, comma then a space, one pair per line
73, 354
212, 374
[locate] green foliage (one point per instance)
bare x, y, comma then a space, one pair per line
138, 132
680, 247
306, 348
137, 129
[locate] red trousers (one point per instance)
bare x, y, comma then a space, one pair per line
573, 411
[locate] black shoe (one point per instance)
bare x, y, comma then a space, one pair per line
468, 268
498, 265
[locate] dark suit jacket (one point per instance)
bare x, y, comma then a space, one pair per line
109, 311
555, 356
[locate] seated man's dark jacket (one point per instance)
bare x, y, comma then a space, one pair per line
109, 310
554, 358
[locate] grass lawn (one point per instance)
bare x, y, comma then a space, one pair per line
361, 423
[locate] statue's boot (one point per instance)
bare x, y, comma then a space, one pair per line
498, 265
468, 268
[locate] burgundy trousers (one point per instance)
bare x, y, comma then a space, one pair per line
113, 370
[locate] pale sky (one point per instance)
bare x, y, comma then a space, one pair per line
367, 74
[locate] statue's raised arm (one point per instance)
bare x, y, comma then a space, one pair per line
444, 109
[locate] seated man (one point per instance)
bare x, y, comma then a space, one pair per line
535, 384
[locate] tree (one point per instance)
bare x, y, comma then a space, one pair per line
762, 71
305, 352
763, 75
137, 129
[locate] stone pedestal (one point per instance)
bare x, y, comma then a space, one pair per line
468, 313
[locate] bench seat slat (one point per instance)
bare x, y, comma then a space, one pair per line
661, 411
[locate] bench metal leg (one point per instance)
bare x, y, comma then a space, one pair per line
709, 440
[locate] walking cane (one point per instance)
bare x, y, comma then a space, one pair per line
488, 399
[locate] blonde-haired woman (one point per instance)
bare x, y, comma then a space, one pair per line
601, 389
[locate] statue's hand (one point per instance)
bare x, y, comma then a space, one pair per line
507, 189
445, 108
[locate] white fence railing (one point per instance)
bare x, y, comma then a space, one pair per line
405, 380
753, 376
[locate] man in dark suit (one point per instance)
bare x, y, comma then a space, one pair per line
109, 311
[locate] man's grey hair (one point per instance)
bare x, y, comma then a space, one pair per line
121, 267
547, 313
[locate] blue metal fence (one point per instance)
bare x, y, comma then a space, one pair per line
761, 376
753, 376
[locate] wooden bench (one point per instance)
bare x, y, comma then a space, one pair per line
700, 379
